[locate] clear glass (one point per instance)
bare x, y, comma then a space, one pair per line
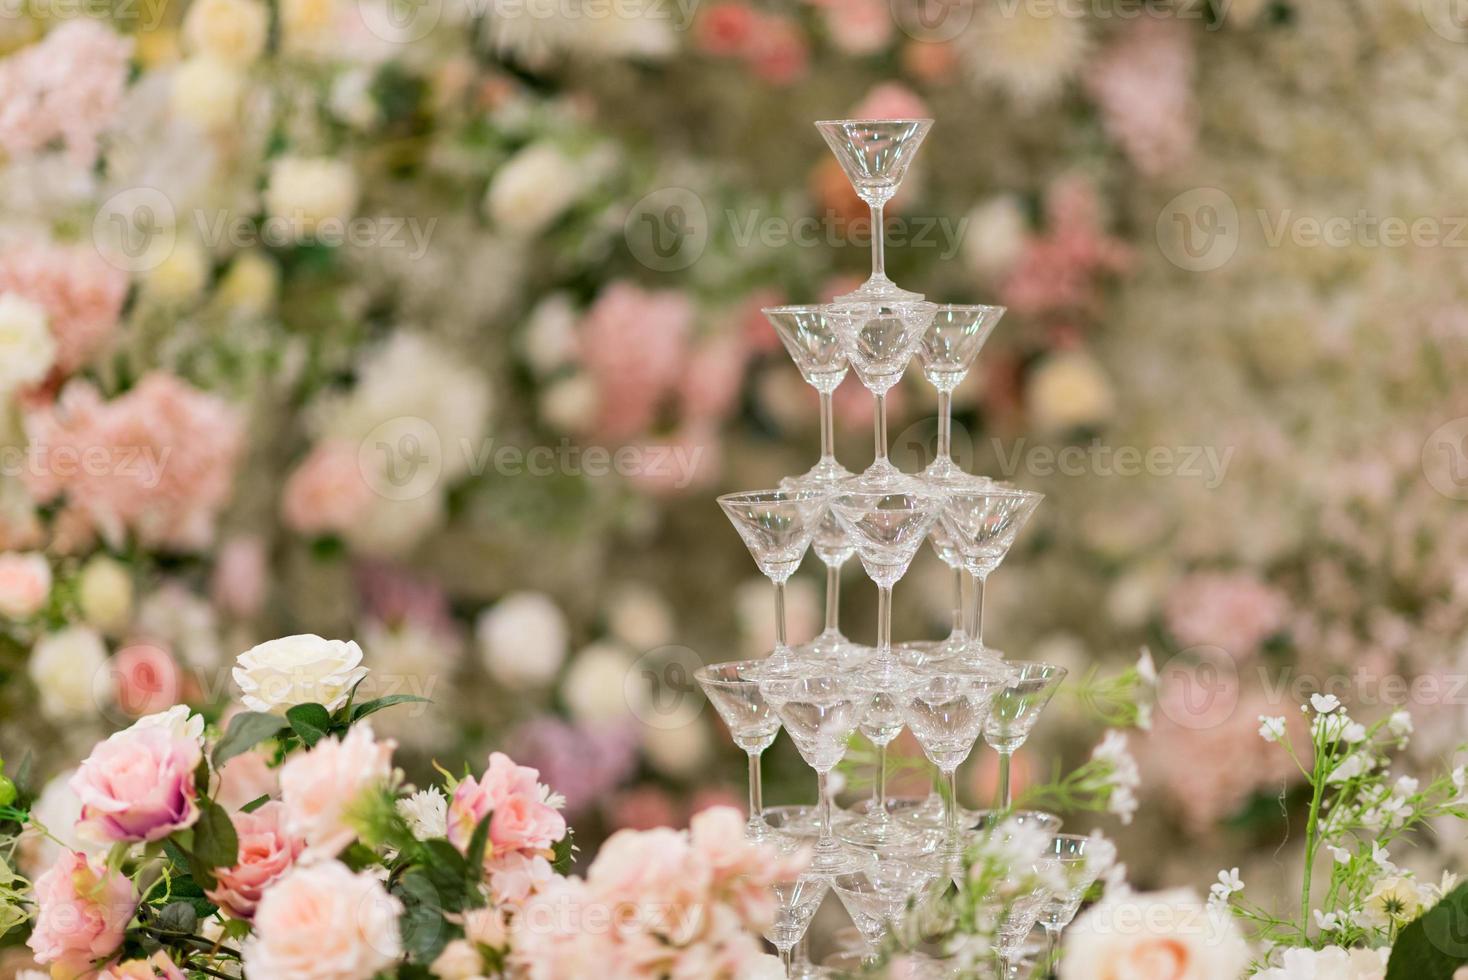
880, 339
1014, 713
811, 335
1080, 861
982, 521
796, 903
733, 689
777, 527
877, 892
949, 346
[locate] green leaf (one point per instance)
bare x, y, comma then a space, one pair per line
422, 925
563, 853
474, 859
372, 707
216, 845
310, 721
448, 873
246, 730
256, 803
178, 917
1435, 945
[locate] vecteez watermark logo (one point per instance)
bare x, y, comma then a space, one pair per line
137, 230
1448, 19
1202, 229
670, 228
1445, 459
146, 15
405, 21
941, 21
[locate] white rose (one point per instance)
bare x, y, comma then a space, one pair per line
394, 527
293, 670
233, 31
533, 188
179, 721
323, 922
550, 334
595, 686
207, 92
351, 98
69, 669
1331, 963
1169, 933
304, 192
25, 583
522, 639
58, 809
105, 592
27, 349
570, 404
249, 285
1067, 391
640, 617
676, 752
995, 235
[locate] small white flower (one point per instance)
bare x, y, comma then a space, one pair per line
426, 813
1400, 724
1324, 703
1382, 859
1406, 786
1341, 855
1353, 733
1272, 729
1354, 765
1460, 778
1146, 668
1227, 884
1328, 921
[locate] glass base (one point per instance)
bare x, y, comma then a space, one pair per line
889, 835
822, 476
830, 858
880, 289
795, 822
834, 647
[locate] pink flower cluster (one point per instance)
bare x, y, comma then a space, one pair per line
158, 461
66, 88
81, 294
521, 818
1143, 83
658, 903
327, 492
772, 46
267, 852
1059, 271
138, 785
83, 912
1233, 610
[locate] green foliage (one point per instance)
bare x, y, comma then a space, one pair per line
1435, 945
247, 730
310, 722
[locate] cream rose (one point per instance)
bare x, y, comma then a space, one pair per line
250, 284
1167, 935
206, 92
1331, 963
304, 192
595, 688
522, 639
322, 922
533, 188
1067, 391
319, 787
68, 668
27, 348
25, 584
231, 30
105, 592
300, 669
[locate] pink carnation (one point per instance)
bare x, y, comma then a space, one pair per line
327, 492
158, 461
1060, 271
715, 374
1234, 610
521, 820
266, 853
634, 342
246, 778
138, 785
1143, 83
83, 912
324, 922
81, 294
67, 88
778, 52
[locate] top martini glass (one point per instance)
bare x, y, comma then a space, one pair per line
875, 155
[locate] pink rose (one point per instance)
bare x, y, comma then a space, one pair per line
524, 824
244, 779
778, 52
156, 967
891, 100
725, 28
266, 853
25, 584
634, 344
322, 922
148, 679
1233, 610
66, 88
319, 787
860, 27
138, 785
327, 492
238, 585
83, 911
513, 878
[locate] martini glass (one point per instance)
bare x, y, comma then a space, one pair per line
875, 155
982, 522
811, 336
834, 549
877, 829
777, 526
1080, 860
1015, 710
820, 711
948, 348
1019, 918
752, 723
877, 893
796, 903
945, 711
880, 340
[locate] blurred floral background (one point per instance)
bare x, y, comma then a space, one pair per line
437, 326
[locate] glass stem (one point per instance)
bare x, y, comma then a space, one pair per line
780, 614
884, 621
1005, 797
879, 245
828, 428
879, 791
978, 607
879, 425
833, 598
802, 951
1052, 946
945, 425
756, 791
824, 809
959, 626
786, 960
950, 812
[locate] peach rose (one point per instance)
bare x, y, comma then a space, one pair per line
25, 584
148, 679
83, 910
1167, 935
266, 853
156, 967
327, 492
244, 779
525, 824
322, 922
319, 787
138, 785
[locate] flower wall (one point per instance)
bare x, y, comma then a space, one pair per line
440, 331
